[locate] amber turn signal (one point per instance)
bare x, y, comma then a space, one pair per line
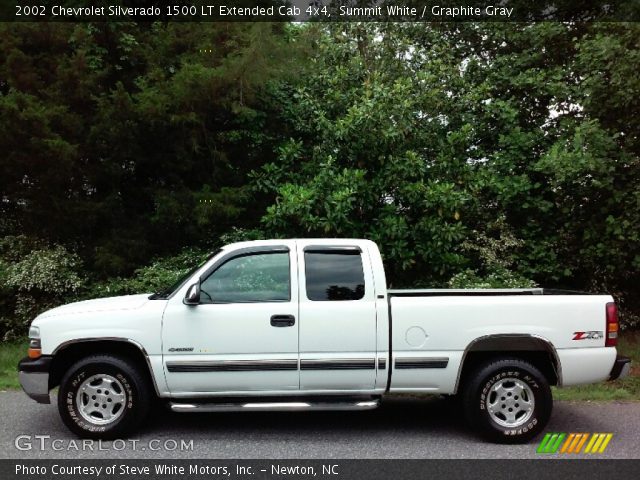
34, 352
35, 349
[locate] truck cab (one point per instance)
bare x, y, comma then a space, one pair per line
275, 318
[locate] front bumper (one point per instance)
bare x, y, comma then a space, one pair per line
620, 368
34, 377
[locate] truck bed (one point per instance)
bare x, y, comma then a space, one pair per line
436, 326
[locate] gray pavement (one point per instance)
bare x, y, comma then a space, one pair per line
400, 428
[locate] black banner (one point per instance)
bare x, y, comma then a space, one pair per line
200, 469
320, 10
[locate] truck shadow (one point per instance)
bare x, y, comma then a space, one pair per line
413, 416
408, 414
408, 417
405, 427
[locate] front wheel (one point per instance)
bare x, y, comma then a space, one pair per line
508, 401
103, 397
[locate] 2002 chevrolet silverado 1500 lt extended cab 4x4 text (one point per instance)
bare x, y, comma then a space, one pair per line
309, 324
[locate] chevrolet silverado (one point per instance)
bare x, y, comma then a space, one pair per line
309, 324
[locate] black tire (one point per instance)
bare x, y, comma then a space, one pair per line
135, 390
478, 399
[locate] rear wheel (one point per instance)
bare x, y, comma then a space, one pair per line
508, 400
103, 396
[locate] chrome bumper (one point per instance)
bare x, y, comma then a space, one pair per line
34, 378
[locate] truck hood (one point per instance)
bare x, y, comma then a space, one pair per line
125, 302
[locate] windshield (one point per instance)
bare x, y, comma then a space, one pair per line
177, 285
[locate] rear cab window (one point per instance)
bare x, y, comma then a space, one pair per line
334, 274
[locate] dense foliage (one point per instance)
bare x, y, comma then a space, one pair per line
474, 154
493, 155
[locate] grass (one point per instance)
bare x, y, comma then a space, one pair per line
625, 389
10, 355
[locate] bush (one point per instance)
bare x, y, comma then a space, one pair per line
153, 278
52, 270
502, 278
494, 252
34, 277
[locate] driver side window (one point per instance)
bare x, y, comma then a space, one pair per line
261, 277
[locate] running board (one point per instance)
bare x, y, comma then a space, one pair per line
274, 406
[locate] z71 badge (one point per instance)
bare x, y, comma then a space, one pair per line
592, 335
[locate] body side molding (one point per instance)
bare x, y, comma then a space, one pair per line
231, 365
412, 362
338, 364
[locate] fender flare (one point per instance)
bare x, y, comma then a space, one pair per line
548, 347
135, 343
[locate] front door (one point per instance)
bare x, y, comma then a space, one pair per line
243, 335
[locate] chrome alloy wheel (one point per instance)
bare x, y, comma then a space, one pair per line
101, 399
510, 402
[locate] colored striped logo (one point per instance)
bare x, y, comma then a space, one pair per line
574, 443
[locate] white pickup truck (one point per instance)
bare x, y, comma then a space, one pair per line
309, 324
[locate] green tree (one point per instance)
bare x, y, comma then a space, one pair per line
426, 138
124, 141
378, 151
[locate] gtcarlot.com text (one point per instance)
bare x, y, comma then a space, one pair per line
46, 443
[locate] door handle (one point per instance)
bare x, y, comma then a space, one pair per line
283, 321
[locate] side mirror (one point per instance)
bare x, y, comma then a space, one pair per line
192, 296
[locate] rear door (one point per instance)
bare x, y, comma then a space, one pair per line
337, 312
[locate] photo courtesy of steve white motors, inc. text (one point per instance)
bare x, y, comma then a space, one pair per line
168, 469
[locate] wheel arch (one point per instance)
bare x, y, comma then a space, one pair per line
535, 349
69, 352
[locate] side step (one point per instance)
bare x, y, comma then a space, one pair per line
275, 406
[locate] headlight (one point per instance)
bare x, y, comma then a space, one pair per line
35, 347
34, 332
